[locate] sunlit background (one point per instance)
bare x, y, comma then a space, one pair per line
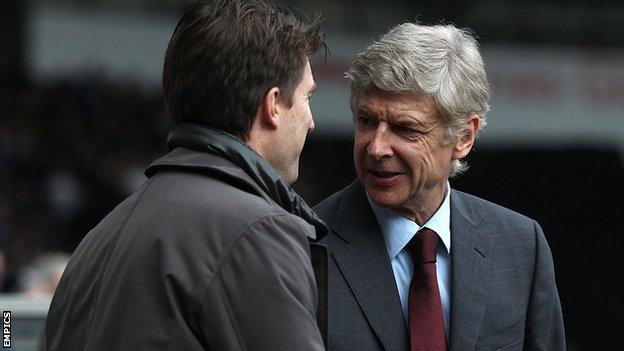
81, 116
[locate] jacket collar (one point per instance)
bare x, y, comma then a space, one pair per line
252, 165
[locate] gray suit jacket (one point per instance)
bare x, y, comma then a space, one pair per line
503, 295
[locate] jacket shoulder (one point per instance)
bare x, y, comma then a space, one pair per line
329, 208
329, 205
205, 195
486, 209
500, 226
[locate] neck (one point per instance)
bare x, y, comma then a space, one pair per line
425, 206
256, 144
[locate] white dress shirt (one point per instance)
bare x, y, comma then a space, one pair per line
398, 231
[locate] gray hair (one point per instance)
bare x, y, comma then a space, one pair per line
439, 62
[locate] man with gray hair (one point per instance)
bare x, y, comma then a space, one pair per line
415, 264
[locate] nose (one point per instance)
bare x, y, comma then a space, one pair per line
379, 147
312, 126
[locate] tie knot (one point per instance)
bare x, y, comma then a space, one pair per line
423, 246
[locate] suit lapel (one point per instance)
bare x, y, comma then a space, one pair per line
470, 267
365, 264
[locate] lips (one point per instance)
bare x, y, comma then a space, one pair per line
384, 178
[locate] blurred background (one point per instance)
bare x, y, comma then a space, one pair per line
81, 116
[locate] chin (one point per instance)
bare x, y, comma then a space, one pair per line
384, 198
292, 177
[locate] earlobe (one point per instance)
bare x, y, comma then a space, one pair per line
467, 138
270, 111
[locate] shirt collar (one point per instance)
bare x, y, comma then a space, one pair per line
399, 230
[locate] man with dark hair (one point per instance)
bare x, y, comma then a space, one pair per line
212, 252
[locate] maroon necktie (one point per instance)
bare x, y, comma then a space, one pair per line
426, 322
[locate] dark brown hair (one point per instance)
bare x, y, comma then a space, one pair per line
225, 55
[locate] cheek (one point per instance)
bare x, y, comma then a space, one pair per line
428, 164
359, 151
426, 156
418, 162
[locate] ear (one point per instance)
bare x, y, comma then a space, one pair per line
467, 137
269, 113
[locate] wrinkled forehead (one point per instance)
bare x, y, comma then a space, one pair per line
397, 103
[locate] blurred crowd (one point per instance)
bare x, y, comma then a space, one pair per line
70, 150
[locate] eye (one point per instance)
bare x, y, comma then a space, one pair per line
365, 122
407, 132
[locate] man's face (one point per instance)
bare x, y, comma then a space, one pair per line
298, 122
399, 151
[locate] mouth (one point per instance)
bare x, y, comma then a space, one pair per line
384, 178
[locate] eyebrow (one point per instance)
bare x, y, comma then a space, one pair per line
405, 119
400, 119
364, 110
